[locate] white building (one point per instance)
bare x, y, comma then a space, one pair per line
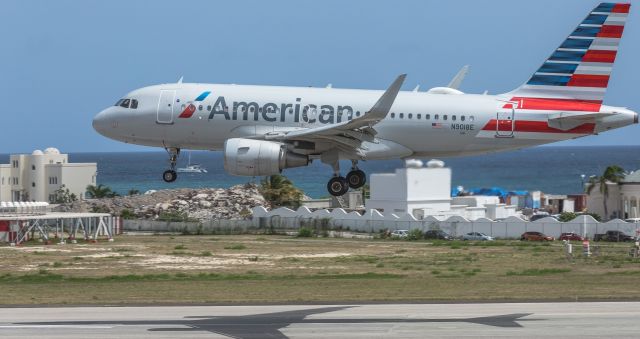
623, 201
36, 176
426, 191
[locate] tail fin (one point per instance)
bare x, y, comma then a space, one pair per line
580, 68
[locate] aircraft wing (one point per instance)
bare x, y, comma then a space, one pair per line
349, 133
568, 120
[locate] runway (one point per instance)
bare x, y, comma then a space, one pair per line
522, 320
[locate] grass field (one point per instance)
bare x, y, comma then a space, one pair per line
267, 268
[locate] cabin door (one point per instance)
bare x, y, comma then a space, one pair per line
165, 106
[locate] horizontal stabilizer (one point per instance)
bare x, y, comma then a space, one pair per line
569, 120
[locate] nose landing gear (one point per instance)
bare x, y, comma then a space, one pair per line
170, 175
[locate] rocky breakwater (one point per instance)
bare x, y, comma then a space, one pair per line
178, 204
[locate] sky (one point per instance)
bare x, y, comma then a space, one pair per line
64, 61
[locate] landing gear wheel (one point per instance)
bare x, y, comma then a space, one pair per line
356, 178
338, 186
169, 176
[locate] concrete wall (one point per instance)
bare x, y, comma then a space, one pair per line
374, 221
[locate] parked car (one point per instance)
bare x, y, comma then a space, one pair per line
615, 236
477, 236
535, 236
570, 236
437, 234
400, 234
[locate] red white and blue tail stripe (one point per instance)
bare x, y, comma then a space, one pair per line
576, 75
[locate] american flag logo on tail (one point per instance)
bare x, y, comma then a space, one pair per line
576, 75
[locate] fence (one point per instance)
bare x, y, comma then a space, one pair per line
373, 221
208, 227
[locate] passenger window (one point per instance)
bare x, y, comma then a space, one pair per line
134, 103
471, 118
453, 117
444, 117
393, 115
401, 115
462, 118
208, 107
427, 117
436, 117
125, 103
200, 108
419, 116
410, 116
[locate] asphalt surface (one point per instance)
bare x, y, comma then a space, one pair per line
521, 320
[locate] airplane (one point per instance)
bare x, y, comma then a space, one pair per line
263, 130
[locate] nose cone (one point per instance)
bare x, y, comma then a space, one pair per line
101, 122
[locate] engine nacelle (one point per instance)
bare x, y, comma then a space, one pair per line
250, 157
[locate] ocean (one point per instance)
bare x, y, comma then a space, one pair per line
549, 169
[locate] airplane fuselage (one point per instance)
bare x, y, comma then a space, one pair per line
204, 116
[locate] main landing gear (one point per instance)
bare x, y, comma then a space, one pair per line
339, 185
170, 175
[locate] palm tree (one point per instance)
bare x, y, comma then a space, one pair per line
280, 191
100, 191
612, 174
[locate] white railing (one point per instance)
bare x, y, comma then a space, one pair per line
10, 208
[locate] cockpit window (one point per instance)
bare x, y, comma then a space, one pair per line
127, 103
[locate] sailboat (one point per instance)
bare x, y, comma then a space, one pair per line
192, 168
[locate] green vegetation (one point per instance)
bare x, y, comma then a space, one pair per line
127, 214
568, 216
612, 174
174, 216
63, 196
415, 234
235, 247
280, 192
304, 232
100, 191
276, 268
539, 271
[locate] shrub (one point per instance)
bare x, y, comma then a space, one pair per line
567, 216
235, 247
415, 234
127, 214
305, 232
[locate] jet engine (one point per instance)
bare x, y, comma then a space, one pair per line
250, 157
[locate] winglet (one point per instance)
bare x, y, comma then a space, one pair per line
180, 80
457, 80
381, 108
416, 88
